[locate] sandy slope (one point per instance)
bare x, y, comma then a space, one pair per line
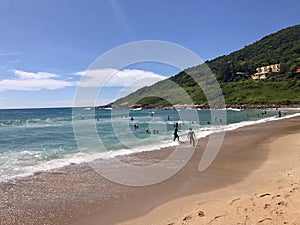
270, 195
253, 180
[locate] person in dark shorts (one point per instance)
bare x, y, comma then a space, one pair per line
176, 136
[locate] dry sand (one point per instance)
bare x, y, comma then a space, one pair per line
270, 195
254, 180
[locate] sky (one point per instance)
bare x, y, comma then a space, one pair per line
47, 46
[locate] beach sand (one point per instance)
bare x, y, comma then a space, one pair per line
254, 180
269, 195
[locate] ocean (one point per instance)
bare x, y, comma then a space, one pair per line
33, 140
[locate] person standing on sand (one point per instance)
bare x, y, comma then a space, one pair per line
191, 136
176, 132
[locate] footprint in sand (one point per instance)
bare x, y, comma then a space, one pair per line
189, 217
285, 172
276, 196
201, 214
282, 203
216, 217
295, 186
293, 190
288, 173
265, 219
236, 199
280, 212
263, 195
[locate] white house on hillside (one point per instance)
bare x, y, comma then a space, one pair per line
264, 71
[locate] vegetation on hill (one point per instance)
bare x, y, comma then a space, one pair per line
233, 73
280, 47
283, 92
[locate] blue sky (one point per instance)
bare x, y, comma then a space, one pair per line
46, 45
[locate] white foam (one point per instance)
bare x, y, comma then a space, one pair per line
81, 157
234, 109
248, 123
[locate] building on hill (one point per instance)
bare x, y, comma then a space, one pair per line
265, 71
259, 76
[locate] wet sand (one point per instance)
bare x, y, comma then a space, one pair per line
78, 195
269, 195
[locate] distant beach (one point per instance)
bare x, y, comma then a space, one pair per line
252, 166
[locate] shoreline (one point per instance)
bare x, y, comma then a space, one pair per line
269, 195
78, 161
203, 106
77, 193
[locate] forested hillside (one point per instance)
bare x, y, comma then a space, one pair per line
280, 47
233, 73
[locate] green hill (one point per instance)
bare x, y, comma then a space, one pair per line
280, 47
233, 73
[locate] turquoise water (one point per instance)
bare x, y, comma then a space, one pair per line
41, 139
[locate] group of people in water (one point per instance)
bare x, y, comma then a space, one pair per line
190, 135
153, 132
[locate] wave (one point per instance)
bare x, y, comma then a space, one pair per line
234, 109
81, 157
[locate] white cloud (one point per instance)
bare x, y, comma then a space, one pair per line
37, 76
29, 81
131, 79
118, 78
